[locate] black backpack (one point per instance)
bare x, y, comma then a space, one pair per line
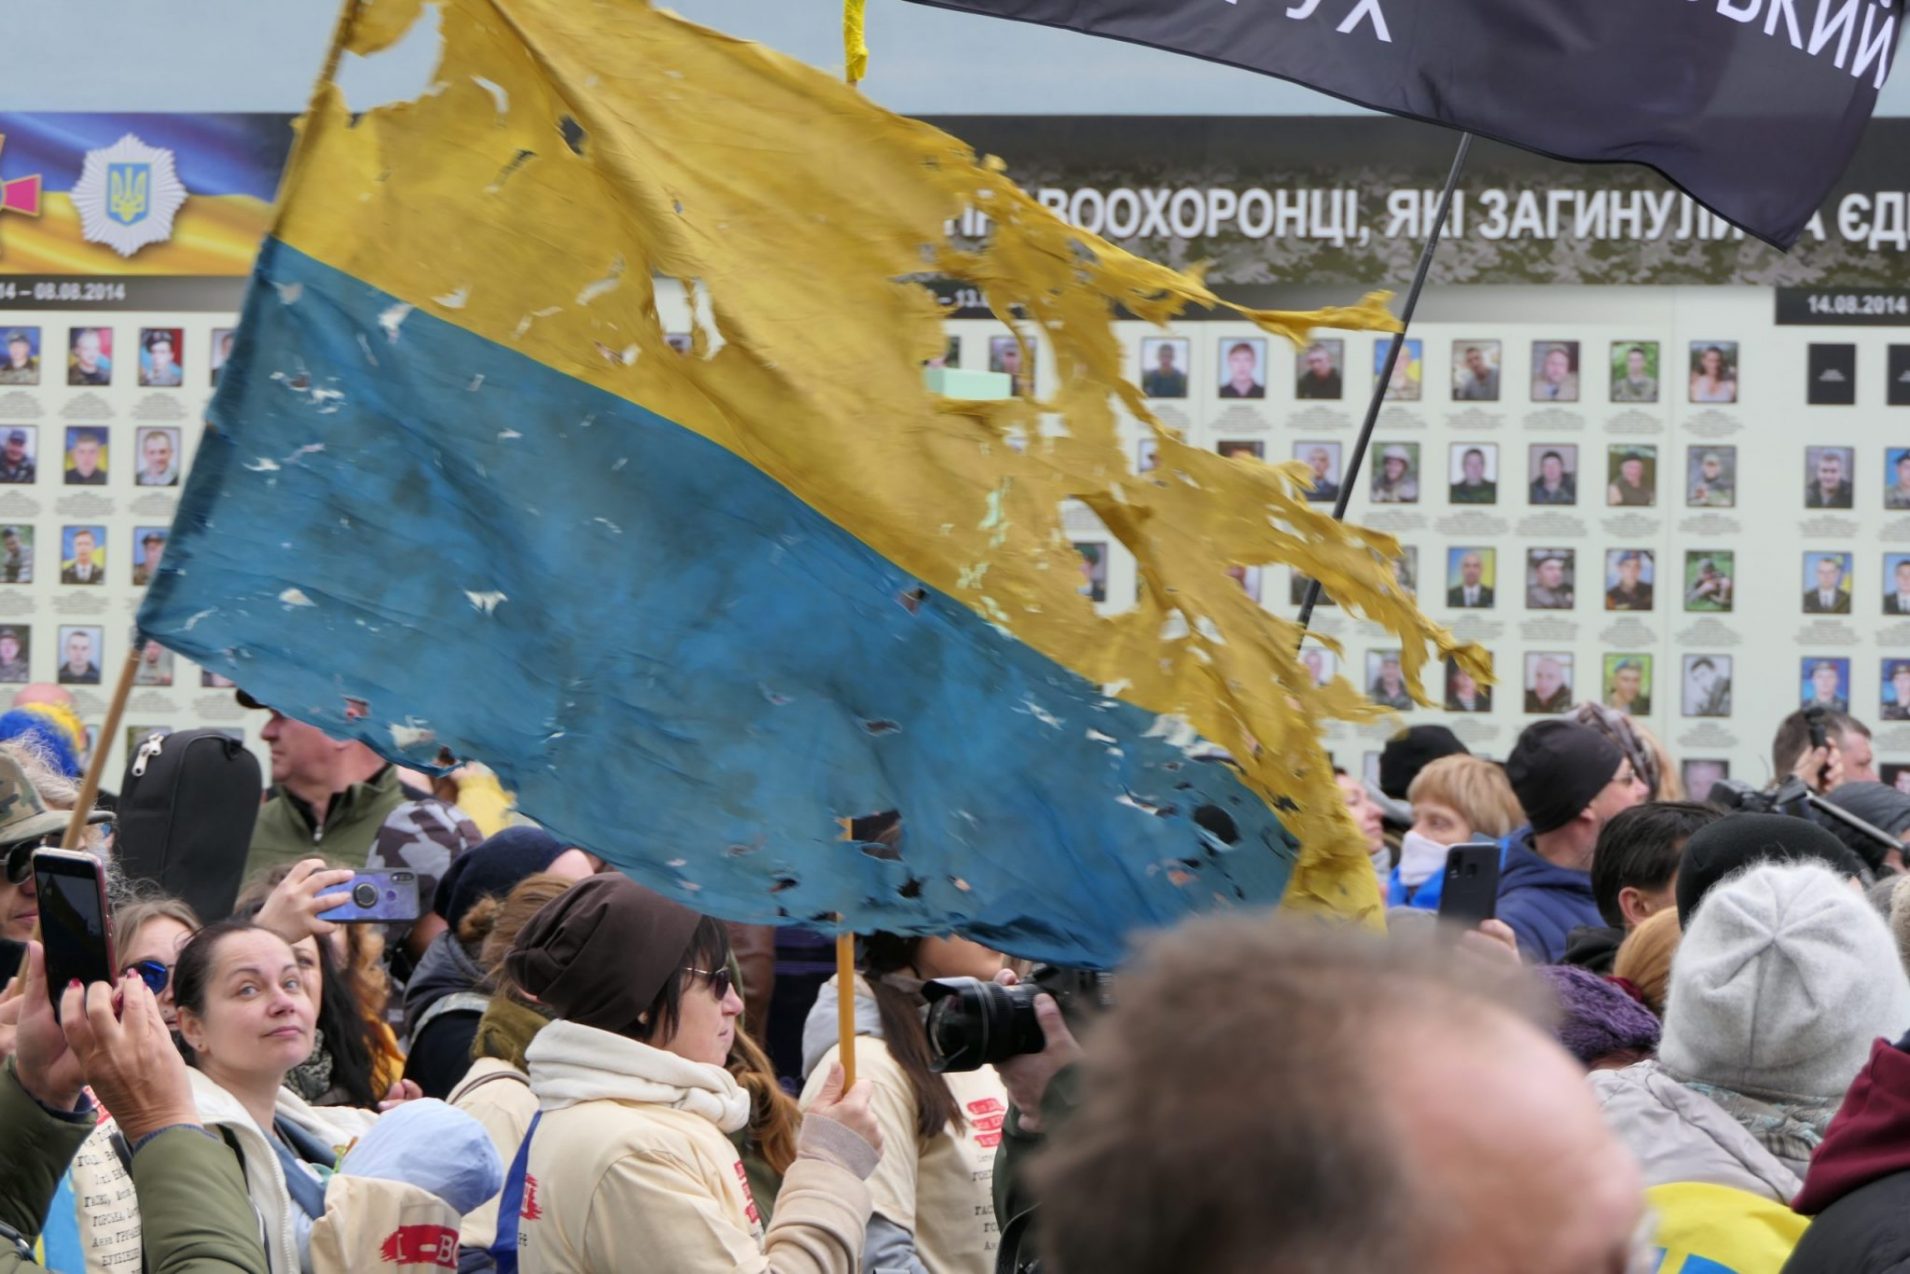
186, 810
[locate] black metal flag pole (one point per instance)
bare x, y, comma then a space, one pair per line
1352, 472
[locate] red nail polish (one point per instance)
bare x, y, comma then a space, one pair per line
75, 982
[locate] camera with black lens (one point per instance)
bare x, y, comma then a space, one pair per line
972, 1024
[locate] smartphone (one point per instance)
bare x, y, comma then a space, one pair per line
75, 924
1820, 738
1470, 893
374, 896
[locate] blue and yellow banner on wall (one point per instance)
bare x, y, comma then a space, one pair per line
137, 194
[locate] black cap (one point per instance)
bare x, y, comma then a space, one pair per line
247, 701
1878, 804
1738, 841
1556, 769
1412, 750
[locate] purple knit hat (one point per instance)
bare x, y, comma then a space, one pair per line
1598, 1019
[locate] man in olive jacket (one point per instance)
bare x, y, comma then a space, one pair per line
193, 1206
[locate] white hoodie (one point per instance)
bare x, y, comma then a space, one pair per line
631, 1164
264, 1174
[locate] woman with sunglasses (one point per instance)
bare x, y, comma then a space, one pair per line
149, 934
630, 1151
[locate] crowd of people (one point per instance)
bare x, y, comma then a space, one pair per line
1684, 1035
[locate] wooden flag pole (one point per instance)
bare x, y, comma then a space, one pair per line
846, 1007
102, 744
1393, 351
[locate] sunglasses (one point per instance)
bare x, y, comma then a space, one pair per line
720, 982
20, 855
156, 974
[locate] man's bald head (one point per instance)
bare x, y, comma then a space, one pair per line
1276, 1094
43, 692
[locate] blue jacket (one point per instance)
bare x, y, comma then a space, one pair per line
1543, 903
1424, 898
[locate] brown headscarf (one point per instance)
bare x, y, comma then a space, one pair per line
602, 953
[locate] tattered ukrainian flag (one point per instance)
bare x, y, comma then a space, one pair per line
698, 609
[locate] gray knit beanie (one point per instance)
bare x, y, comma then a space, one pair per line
1784, 978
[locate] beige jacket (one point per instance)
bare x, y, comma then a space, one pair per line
632, 1162
368, 1223
939, 1189
497, 1095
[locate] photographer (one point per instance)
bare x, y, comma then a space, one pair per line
192, 1195
932, 1190
1845, 755
1826, 772
1041, 1095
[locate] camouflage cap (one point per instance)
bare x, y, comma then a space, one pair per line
25, 821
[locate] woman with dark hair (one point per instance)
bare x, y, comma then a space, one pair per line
630, 1150
932, 1193
246, 1022
1713, 380
353, 1061
328, 1184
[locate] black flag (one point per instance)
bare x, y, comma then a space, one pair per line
1752, 106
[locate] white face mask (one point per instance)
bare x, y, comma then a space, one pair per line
1420, 859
